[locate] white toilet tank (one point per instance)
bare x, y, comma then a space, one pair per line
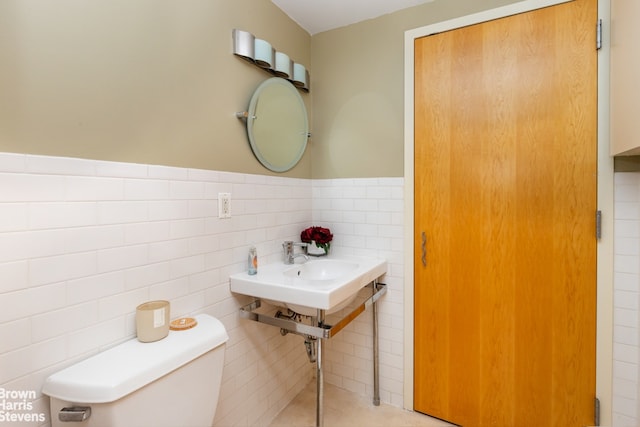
174, 382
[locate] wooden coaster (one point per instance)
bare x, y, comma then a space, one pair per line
183, 323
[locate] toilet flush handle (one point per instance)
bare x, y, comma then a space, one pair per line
74, 414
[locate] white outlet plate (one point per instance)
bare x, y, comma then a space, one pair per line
224, 205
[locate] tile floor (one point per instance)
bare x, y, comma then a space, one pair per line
346, 409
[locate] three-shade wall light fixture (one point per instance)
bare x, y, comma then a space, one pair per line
261, 53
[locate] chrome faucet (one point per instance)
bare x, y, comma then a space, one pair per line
289, 249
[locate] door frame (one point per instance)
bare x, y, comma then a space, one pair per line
604, 301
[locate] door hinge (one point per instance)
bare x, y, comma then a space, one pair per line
599, 34
596, 412
598, 225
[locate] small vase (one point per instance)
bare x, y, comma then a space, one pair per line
314, 250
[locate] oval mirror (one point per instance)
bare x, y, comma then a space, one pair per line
277, 125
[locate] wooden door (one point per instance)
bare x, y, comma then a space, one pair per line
505, 202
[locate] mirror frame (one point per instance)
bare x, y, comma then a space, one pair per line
299, 145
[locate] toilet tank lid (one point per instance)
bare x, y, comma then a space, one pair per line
125, 368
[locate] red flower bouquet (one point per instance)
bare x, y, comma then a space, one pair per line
319, 235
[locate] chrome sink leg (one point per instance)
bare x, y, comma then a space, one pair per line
319, 376
376, 359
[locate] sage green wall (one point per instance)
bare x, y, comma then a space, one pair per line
358, 90
155, 81
147, 81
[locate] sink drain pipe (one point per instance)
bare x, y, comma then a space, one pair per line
310, 345
309, 340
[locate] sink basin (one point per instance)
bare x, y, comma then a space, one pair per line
325, 269
328, 283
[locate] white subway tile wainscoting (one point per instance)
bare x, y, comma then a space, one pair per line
626, 345
366, 218
83, 242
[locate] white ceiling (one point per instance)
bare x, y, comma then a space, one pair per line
316, 16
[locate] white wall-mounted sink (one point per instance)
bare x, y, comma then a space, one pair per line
321, 269
327, 283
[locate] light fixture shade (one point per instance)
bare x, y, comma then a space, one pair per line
243, 44
284, 65
307, 83
264, 53
299, 75
260, 52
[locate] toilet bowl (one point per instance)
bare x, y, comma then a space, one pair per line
167, 383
